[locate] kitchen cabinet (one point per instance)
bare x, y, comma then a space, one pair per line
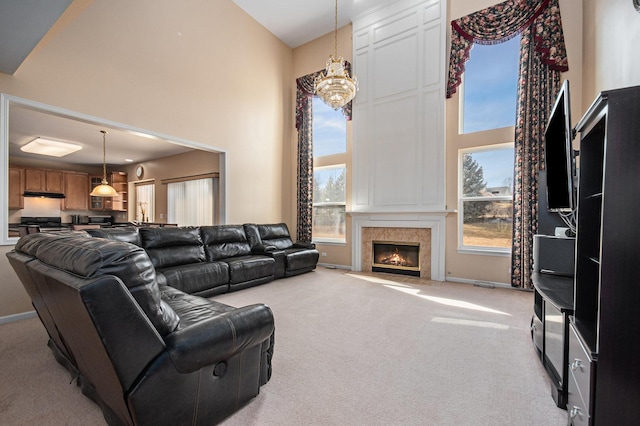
41, 180
76, 191
16, 188
119, 182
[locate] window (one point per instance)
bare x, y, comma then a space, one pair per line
329, 174
490, 86
485, 198
190, 203
329, 189
329, 130
145, 202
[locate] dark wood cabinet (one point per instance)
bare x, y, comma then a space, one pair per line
604, 345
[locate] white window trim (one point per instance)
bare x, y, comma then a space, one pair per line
480, 250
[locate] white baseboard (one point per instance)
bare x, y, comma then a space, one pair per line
480, 283
332, 266
17, 317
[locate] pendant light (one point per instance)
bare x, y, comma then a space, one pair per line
104, 190
334, 86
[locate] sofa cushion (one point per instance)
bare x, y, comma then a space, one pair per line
93, 257
249, 268
207, 278
301, 258
173, 246
127, 234
224, 241
192, 309
276, 235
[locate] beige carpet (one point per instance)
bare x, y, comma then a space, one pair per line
351, 349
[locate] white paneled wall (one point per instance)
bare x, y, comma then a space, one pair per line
398, 124
398, 142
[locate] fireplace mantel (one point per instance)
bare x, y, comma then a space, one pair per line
434, 220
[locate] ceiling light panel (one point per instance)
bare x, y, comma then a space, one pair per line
50, 147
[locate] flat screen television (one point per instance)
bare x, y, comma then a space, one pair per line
560, 163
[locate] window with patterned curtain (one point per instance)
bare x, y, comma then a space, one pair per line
145, 202
542, 58
191, 202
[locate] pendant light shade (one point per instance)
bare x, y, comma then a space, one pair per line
104, 189
335, 87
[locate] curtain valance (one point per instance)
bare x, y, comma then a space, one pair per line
501, 22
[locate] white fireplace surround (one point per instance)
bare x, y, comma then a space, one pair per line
431, 220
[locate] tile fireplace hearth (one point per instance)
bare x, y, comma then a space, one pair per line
425, 229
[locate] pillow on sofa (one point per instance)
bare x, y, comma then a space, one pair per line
91, 257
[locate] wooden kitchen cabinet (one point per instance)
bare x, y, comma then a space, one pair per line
16, 188
41, 180
119, 182
76, 191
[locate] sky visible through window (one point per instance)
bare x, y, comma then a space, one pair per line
490, 85
497, 166
329, 130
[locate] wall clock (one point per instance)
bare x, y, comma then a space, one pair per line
139, 171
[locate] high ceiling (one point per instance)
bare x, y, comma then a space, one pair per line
23, 23
25, 124
297, 22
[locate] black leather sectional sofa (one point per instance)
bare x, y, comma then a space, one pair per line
146, 353
211, 260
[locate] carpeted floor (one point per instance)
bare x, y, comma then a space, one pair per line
351, 349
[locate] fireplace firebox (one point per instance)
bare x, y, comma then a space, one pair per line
396, 257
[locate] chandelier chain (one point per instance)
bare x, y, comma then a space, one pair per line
335, 33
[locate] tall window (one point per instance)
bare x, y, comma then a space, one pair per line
330, 173
329, 194
190, 203
485, 198
145, 202
490, 86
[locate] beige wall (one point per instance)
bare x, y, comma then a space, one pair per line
489, 267
308, 58
202, 71
192, 163
611, 40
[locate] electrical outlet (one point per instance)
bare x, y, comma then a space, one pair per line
324, 254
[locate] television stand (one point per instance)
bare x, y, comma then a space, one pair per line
550, 329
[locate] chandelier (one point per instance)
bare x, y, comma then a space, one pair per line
104, 190
334, 86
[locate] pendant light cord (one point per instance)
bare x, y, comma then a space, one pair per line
104, 155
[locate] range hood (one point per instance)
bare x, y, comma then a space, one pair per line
43, 194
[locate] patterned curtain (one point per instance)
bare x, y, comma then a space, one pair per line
304, 123
542, 59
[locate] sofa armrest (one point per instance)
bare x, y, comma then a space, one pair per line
219, 338
304, 245
263, 249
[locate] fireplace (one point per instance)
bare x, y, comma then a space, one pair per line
396, 257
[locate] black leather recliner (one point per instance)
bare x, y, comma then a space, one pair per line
291, 258
148, 354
